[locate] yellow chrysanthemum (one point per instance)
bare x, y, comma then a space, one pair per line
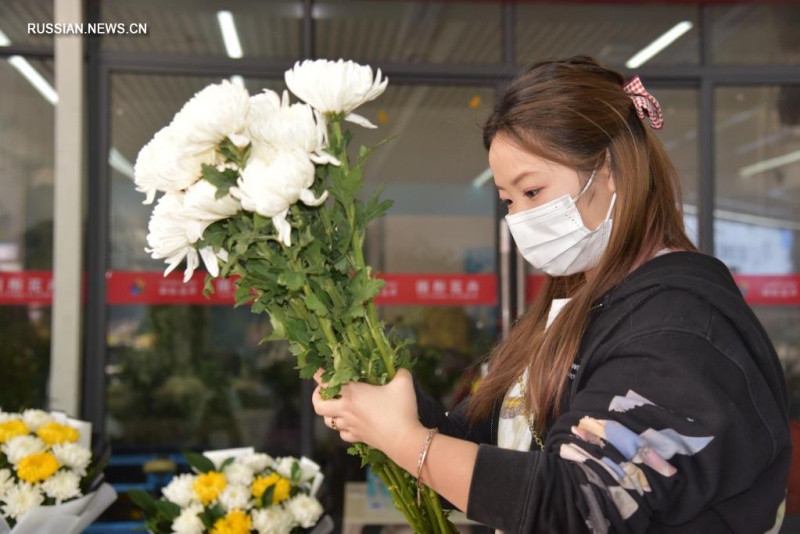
236, 522
209, 485
12, 429
55, 433
37, 467
281, 491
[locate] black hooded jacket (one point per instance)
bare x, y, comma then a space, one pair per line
677, 419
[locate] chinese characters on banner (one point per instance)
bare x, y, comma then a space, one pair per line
413, 289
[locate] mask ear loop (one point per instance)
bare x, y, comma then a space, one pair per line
585, 187
611, 207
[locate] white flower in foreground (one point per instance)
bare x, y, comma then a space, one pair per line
180, 490
306, 510
211, 115
189, 522
168, 238
18, 448
335, 86
239, 473
74, 456
20, 498
288, 127
273, 520
6, 482
164, 165
9, 416
201, 208
284, 467
62, 486
270, 189
235, 497
34, 419
257, 461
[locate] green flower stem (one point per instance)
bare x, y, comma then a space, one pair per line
432, 497
358, 255
409, 510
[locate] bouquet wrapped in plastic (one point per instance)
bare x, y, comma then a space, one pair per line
49, 479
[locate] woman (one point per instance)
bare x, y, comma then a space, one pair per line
656, 402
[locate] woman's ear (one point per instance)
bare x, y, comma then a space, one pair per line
608, 174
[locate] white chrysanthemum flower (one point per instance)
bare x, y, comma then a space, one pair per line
6, 482
163, 166
288, 127
62, 486
34, 419
239, 473
74, 456
235, 497
305, 510
273, 520
284, 466
180, 490
188, 522
21, 446
201, 208
168, 238
270, 189
336, 86
20, 498
257, 462
9, 416
214, 113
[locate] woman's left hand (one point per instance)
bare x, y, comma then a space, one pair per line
379, 416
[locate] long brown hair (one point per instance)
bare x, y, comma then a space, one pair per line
574, 112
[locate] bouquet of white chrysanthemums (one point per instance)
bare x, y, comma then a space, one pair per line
237, 491
267, 191
49, 480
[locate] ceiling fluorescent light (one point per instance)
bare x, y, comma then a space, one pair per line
482, 178
648, 52
767, 164
229, 34
120, 163
4, 40
35, 79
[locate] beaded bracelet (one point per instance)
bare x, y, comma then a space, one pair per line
422, 455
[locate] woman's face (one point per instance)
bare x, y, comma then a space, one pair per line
525, 181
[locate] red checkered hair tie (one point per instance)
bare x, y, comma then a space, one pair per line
645, 103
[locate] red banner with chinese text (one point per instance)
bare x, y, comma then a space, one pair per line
401, 289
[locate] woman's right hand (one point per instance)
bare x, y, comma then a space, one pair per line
380, 416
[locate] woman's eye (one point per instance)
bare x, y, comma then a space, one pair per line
531, 193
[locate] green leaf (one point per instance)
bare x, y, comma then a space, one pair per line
292, 280
199, 462
266, 499
143, 500
295, 472
168, 510
315, 305
222, 180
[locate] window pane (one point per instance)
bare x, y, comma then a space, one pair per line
612, 34
26, 233
756, 34
16, 15
264, 29
757, 224
412, 32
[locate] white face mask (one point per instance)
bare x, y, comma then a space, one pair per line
552, 237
